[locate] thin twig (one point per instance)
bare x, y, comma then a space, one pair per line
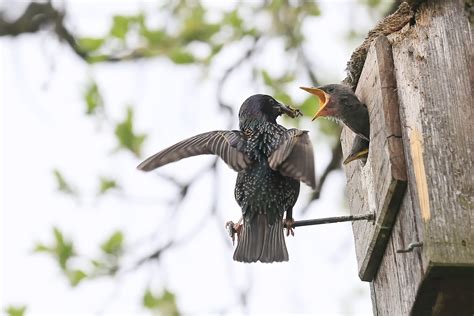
334, 164
220, 86
308, 67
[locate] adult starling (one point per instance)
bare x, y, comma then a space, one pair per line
338, 101
270, 160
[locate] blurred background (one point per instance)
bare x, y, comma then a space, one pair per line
91, 88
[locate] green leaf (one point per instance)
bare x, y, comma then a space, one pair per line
15, 310
119, 26
165, 304
75, 277
107, 265
309, 106
63, 185
93, 99
63, 249
97, 58
179, 56
195, 27
107, 184
39, 247
233, 18
155, 37
97, 263
373, 3
215, 49
90, 44
114, 244
149, 300
127, 137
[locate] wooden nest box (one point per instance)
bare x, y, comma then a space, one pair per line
418, 84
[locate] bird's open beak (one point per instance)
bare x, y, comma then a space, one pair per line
288, 110
358, 155
323, 100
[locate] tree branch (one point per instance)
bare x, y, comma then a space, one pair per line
36, 17
308, 67
334, 164
247, 55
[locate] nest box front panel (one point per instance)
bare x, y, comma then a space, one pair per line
379, 185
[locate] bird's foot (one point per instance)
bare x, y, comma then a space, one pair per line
233, 229
288, 224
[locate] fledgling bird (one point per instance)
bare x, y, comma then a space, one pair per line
270, 160
338, 101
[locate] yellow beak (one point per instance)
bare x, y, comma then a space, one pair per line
359, 155
323, 99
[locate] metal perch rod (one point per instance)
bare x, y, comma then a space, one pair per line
328, 220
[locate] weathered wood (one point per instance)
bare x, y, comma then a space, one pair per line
380, 184
432, 67
434, 82
386, 286
404, 271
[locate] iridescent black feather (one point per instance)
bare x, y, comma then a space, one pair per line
270, 160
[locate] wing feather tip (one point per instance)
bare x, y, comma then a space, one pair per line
142, 167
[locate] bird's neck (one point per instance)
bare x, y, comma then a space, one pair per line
257, 124
262, 137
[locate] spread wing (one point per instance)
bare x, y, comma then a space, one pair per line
294, 157
225, 144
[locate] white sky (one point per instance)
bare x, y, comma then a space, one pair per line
43, 127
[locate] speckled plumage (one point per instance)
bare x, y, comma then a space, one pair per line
264, 195
256, 186
270, 160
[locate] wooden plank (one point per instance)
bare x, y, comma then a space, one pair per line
386, 286
379, 185
432, 67
357, 197
404, 269
434, 71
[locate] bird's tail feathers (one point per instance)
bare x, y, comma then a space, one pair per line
261, 241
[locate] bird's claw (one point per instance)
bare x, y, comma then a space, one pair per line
288, 224
233, 229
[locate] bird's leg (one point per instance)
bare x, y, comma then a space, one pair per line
288, 223
238, 226
234, 229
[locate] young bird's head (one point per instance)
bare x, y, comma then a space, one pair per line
336, 101
264, 107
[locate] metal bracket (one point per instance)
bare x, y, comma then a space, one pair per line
328, 220
411, 246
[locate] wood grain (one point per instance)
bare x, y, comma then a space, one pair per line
432, 68
404, 270
379, 185
432, 82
